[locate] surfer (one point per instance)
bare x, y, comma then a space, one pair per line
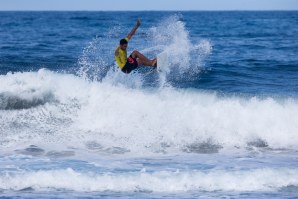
127, 64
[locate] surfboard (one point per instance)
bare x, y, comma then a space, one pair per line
162, 62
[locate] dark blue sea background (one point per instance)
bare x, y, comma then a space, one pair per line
221, 120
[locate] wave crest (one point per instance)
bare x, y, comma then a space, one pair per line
11, 101
125, 120
162, 181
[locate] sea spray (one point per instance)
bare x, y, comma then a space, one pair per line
186, 58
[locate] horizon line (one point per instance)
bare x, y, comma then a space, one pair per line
262, 10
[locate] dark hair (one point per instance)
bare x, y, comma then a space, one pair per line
123, 41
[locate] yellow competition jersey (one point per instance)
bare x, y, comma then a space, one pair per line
122, 56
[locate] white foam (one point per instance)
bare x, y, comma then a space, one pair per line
185, 56
140, 120
162, 181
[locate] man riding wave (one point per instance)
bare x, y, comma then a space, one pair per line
127, 64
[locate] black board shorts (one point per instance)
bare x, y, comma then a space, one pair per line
130, 65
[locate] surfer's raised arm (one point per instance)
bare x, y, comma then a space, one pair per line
132, 32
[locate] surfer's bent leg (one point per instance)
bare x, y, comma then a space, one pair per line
142, 59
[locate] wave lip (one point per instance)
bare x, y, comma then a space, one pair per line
11, 101
25, 90
162, 181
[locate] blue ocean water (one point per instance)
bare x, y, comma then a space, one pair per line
219, 122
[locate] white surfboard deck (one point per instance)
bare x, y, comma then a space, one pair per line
162, 62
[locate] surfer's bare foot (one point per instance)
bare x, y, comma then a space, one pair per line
154, 62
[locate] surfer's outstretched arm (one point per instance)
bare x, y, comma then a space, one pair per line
132, 32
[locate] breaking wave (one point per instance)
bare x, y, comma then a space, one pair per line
71, 111
163, 181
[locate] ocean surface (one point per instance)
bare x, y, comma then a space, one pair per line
221, 121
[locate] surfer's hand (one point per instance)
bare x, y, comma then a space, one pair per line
138, 22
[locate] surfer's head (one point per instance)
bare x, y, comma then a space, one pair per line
123, 44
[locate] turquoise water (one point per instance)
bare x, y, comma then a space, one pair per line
220, 122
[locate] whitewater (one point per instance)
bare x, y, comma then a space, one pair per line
66, 108
90, 131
